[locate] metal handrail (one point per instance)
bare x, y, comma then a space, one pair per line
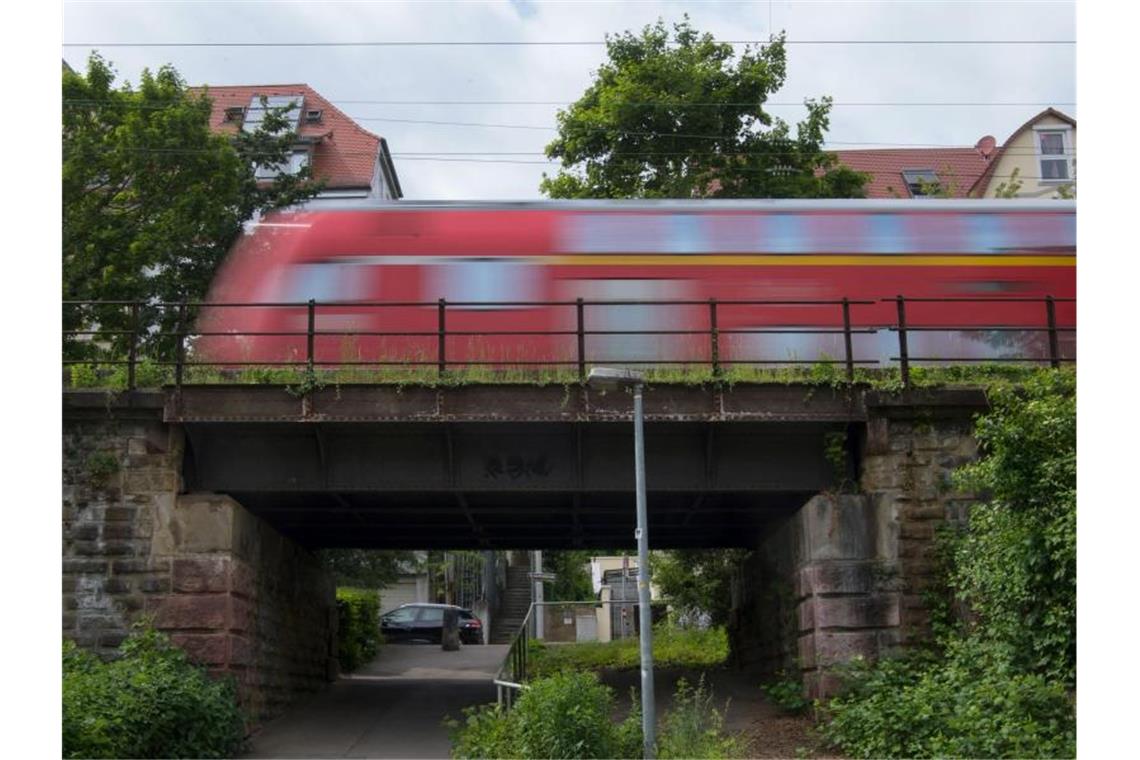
514, 672
507, 682
843, 325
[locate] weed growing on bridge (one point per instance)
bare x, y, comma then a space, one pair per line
301, 381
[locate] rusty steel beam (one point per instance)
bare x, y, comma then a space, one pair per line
514, 403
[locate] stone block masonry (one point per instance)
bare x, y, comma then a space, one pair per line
847, 575
238, 596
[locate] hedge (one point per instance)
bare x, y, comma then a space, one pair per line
358, 627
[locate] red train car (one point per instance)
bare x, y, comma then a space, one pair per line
509, 275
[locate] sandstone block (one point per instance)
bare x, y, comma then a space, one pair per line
880, 611
190, 612
113, 531
85, 566
200, 574
805, 614
205, 649
834, 647
119, 514
805, 650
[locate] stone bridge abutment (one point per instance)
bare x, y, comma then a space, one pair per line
238, 596
846, 575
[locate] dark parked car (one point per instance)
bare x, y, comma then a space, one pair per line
424, 622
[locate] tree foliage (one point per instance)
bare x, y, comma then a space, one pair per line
698, 579
572, 581
152, 198
369, 568
680, 116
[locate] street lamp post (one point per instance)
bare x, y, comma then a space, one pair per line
603, 376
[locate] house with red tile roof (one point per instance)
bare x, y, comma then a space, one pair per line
353, 162
1043, 150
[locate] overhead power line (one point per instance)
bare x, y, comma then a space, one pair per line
81, 103
539, 43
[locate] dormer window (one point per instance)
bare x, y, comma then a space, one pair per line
921, 182
257, 110
234, 114
1053, 152
313, 116
298, 160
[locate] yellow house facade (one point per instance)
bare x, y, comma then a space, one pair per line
1039, 160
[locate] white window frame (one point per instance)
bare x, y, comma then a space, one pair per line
1066, 154
298, 159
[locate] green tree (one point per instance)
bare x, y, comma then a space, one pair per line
572, 579
369, 568
698, 579
679, 116
152, 198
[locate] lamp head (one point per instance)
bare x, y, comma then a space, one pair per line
610, 377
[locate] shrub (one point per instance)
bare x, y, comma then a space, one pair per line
1016, 566
970, 705
567, 715
151, 702
787, 693
358, 627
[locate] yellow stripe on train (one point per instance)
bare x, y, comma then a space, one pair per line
801, 260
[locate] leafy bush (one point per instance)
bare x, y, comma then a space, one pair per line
672, 647
567, 715
358, 627
972, 704
1016, 566
998, 682
787, 693
570, 715
695, 728
151, 702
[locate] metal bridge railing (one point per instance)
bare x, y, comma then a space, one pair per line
174, 338
516, 670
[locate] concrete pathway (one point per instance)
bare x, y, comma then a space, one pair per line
393, 707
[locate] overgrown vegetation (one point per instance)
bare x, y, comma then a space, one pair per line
151, 374
570, 715
694, 727
672, 647
150, 702
358, 627
787, 692
1000, 680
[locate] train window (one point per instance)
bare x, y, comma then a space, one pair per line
328, 282
481, 279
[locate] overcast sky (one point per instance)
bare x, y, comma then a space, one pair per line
1005, 74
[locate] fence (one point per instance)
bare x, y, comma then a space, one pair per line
711, 334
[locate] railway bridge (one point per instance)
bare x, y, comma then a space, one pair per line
201, 506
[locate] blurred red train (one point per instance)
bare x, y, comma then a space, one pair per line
377, 275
